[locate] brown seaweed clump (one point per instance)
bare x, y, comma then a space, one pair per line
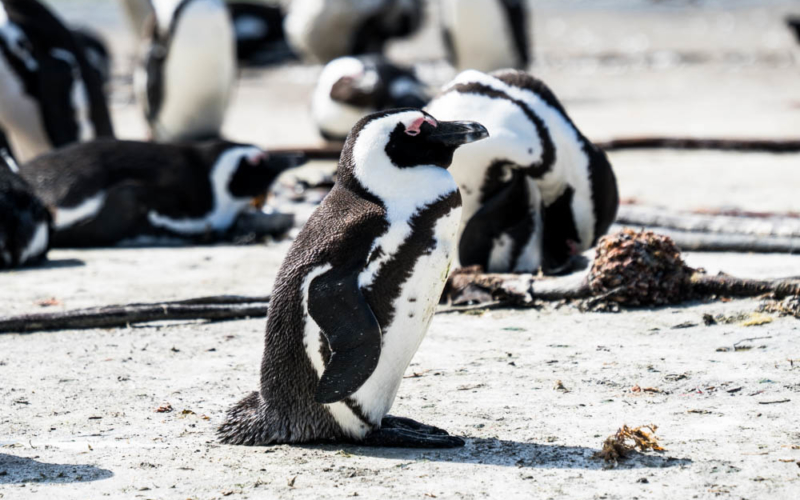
789, 306
626, 440
639, 269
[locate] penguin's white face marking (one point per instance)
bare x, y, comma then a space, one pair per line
79, 96
69, 216
480, 34
513, 138
37, 245
199, 72
226, 206
332, 117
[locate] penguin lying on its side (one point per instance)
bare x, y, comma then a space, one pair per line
357, 290
24, 221
50, 95
486, 35
350, 88
189, 69
107, 191
537, 192
322, 30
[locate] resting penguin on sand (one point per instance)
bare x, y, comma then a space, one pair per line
186, 79
350, 88
107, 191
24, 221
50, 95
357, 291
322, 30
537, 192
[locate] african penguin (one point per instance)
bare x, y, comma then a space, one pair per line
188, 70
322, 30
49, 94
96, 52
486, 35
352, 87
24, 221
259, 33
537, 192
793, 23
105, 192
357, 291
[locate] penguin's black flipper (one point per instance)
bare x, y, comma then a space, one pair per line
398, 432
505, 212
517, 13
336, 304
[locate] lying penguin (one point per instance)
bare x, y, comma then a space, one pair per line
186, 78
24, 221
50, 95
537, 192
350, 88
104, 192
322, 30
357, 291
486, 35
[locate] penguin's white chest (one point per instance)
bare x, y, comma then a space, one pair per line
413, 311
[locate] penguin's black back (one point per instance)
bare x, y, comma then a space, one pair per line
174, 178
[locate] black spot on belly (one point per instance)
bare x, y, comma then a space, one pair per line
391, 276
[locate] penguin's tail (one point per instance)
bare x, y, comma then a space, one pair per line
244, 422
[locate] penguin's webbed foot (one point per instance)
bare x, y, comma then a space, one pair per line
399, 432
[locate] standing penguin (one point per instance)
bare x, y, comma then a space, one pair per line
107, 191
350, 88
357, 291
537, 192
49, 94
259, 33
486, 35
322, 30
189, 69
24, 221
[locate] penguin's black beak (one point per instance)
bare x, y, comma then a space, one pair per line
454, 134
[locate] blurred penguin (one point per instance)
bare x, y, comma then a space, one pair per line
322, 30
486, 35
25, 225
260, 38
188, 70
350, 88
50, 94
793, 23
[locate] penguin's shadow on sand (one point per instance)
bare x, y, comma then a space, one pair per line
19, 470
522, 455
51, 264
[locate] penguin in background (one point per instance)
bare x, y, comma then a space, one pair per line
25, 223
105, 192
96, 52
352, 87
50, 95
260, 38
188, 71
357, 291
322, 30
537, 192
793, 23
486, 35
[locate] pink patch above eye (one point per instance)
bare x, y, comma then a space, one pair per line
257, 158
414, 128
